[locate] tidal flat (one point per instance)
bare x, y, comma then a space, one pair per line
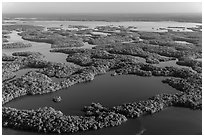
108, 84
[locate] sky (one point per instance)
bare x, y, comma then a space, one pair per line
101, 7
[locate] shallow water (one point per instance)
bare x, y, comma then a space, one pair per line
109, 91
141, 25
43, 48
100, 33
14, 37
182, 42
171, 63
199, 59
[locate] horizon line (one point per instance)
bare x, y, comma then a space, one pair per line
113, 13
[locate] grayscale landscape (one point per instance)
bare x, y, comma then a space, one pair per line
91, 69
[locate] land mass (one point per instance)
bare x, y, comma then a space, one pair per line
116, 52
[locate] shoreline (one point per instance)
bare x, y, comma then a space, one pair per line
98, 61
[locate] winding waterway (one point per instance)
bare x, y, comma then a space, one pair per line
41, 47
109, 91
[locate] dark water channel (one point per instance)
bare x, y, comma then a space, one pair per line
111, 91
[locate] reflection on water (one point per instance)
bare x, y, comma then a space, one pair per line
174, 121
14, 37
182, 42
141, 25
171, 121
100, 33
171, 63
124, 88
199, 59
43, 48
111, 91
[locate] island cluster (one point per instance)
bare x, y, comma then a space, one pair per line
121, 50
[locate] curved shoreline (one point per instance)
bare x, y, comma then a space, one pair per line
90, 76
96, 63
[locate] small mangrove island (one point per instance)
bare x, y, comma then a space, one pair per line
123, 51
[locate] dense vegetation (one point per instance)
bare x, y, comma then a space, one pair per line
115, 52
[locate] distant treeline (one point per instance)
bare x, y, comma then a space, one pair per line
180, 17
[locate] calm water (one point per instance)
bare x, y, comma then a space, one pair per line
171, 63
172, 121
123, 88
109, 91
141, 25
45, 48
182, 42
41, 47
